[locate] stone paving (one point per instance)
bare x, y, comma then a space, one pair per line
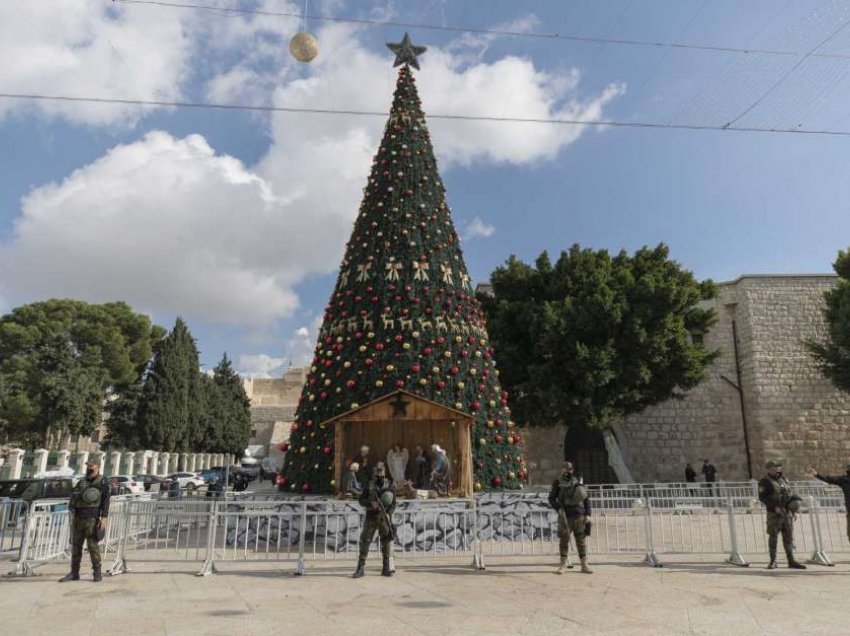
519, 595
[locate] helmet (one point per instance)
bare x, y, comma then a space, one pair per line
794, 504
387, 498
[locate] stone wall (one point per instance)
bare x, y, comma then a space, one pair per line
273, 404
792, 411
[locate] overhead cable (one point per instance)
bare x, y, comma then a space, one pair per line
451, 117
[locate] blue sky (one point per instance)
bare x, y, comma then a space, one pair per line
237, 220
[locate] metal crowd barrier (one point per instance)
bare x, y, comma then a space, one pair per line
652, 523
13, 517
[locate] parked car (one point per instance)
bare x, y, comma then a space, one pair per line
128, 485
30, 490
149, 480
189, 481
251, 470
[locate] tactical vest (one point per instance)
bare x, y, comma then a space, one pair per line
87, 496
571, 493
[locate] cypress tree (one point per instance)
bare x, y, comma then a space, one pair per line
167, 397
233, 409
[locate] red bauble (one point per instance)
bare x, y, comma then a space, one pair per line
498, 439
441, 384
283, 447
369, 362
379, 346
305, 487
415, 368
350, 383
326, 450
496, 481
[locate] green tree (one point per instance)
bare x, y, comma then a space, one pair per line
593, 338
123, 429
403, 315
167, 409
59, 359
230, 410
833, 352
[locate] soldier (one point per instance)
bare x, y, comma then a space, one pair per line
775, 493
379, 501
89, 508
843, 482
569, 497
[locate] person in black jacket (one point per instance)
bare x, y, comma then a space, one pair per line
843, 482
710, 472
775, 493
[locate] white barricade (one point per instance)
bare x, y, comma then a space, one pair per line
668, 519
13, 517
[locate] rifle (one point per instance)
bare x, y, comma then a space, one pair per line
384, 514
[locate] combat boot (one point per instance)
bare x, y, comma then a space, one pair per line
794, 564
97, 577
385, 570
772, 565
361, 565
562, 565
584, 568
73, 575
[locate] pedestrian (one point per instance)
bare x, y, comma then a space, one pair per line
710, 473
775, 493
569, 497
690, 474
379, 501
843, 482
215, 488
174, 488
88, 509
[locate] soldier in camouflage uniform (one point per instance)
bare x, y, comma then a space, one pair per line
378, 491
88, 508
775, 493
569, 497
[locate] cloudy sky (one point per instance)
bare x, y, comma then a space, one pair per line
236, 220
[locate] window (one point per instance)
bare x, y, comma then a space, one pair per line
253, 432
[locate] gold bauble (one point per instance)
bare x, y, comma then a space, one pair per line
304, 46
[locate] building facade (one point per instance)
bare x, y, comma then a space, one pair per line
273, 404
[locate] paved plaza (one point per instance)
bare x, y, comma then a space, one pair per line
519, 595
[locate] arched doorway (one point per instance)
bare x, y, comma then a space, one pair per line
585, 448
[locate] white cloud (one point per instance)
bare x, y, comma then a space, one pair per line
478, 228
168, 225
260, 366
172, 227
91, 48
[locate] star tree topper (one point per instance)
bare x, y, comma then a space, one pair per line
406, 52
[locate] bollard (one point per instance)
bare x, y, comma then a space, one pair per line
299, 569
735, 557
651, 558
819, 557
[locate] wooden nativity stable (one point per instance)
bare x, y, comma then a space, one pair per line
407, 420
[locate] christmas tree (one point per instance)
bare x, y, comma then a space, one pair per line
403, 314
